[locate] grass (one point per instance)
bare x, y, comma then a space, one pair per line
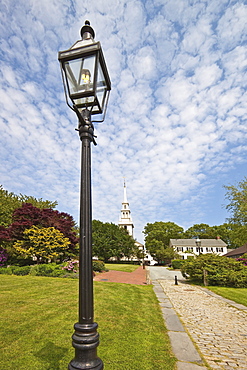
238, 295
38, 313
121, 267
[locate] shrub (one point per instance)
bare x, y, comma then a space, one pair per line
177, 264
98, 266
5, 271
221, 271
243, 259
21, 271
3, 256
51, 269
71, 266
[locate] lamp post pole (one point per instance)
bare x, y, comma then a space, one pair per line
85, 339
198, 243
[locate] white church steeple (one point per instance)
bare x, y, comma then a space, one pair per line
125, 220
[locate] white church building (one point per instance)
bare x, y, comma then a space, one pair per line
126, 222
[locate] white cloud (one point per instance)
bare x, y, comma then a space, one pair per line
176, 121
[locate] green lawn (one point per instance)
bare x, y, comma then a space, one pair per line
38, 313
121, 267
238, 295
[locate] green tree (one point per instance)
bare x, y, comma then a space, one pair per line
10, 201
111, 241
203, 231
237, 206
158, 235
43, 244
166, 255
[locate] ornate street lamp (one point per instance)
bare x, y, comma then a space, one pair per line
87, 86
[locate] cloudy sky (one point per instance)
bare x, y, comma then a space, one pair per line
175, 127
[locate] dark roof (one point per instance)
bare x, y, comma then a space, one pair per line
238, 251
192, 242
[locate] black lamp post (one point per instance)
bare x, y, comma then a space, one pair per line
198, 244
87, 85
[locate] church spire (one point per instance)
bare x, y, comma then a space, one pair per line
125, 194
125, 220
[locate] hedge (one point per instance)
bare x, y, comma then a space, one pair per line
219, 270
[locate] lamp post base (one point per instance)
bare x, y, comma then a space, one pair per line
85, 340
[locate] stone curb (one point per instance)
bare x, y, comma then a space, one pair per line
182, 346
231, 303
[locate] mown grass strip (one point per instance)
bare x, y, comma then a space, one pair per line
238, 295
38, 313
121, 267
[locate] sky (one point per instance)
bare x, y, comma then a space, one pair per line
175, 127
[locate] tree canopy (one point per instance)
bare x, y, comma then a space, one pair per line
10, 201
17, 236
42, 244
109, 240
158, 235
237, 206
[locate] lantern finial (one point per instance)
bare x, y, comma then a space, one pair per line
87, 29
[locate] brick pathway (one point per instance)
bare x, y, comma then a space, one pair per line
218, 326
136, 277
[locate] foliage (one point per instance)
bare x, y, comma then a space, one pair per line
165, 255
158, 235
3, 256
98, 266
71, 266
20, 270
202, 231
42, 243
243, 259
50, 306
177, 264
27, 215
51, 269
111, 241
10, 201
221, 271
237, 197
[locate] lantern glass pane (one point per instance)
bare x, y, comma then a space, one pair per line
80, 74
101, 87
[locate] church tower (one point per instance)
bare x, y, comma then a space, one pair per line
125, 220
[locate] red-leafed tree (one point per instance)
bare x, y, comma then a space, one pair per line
28, 215
4, 242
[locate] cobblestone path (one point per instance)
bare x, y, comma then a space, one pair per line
218, 329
